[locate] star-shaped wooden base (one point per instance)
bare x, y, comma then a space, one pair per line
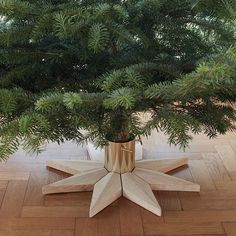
107, 186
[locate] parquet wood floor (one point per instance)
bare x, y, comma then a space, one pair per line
24, 211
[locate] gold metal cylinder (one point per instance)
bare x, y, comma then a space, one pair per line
120, 157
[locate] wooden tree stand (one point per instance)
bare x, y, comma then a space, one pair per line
120, 176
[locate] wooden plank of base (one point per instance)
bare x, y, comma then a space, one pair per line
13, 199
55, 211
106, 191
73, 166
79, 182
139, 192
160, 181
214, 228
163, 165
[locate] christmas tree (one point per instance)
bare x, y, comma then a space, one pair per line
68, 66
96, 66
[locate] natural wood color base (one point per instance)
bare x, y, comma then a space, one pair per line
106, 191
77, 183
137, 185
160, 181
137, 190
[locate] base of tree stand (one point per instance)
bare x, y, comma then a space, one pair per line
120, 176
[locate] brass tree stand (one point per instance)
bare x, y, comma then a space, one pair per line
120, 176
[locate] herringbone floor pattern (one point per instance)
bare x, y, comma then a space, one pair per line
24, 211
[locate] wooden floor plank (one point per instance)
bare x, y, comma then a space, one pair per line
201, 175
3, 184
14, 175
86, 227
130, 218
169, 201
199, 216
183, 229
198, 204
212, 212
2, 194
13, 199
215, 167
68, 199
34, 194
27, 233
228, 156
230, 228
109, 222
62, 233
55, 211
28, 224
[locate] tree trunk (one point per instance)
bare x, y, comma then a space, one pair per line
120, 157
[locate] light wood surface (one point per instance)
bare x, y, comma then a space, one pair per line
211, 212
160, 181
120, 159
14, 175
164, 165
73, 166
106, 191
138, 191
77, 183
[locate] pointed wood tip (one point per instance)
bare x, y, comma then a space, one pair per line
157, 211
46, 189
92, 212
195, 188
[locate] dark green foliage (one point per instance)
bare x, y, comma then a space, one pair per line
68, 66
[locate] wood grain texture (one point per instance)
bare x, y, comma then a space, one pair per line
14, 175
140, 192
34, 194
201, 174
211, 212
55, 211
228, 156
183, 229
106, 191
230, 228
13, 199
130, 220
160, 181
86, 227
77, 183
74, 167
164, 165
37, 223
